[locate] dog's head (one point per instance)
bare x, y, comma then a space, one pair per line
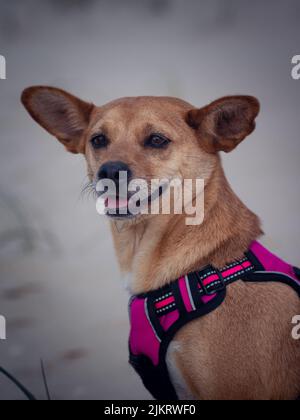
145, 137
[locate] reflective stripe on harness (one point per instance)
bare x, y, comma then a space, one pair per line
157, 316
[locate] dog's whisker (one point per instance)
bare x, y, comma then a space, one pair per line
88, 190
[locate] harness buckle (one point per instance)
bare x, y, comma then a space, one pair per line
209, 291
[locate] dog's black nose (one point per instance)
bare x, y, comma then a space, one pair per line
111, 170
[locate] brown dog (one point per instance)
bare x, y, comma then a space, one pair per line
249, 336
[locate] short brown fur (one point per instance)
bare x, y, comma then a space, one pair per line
243, 350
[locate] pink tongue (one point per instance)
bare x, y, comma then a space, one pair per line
116, 203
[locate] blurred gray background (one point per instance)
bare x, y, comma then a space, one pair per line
60, 288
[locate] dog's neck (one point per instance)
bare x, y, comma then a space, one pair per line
160, 249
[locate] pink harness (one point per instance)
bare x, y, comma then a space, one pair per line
157, 316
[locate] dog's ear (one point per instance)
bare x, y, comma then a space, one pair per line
61, 114
223, 124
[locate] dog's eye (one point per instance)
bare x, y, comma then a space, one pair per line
157, 141
100, 141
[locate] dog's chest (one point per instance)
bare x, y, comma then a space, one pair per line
182, 390
127, 279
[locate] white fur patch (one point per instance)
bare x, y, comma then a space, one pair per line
127, 280
178, 382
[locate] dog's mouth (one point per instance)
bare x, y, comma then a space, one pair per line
118, 207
